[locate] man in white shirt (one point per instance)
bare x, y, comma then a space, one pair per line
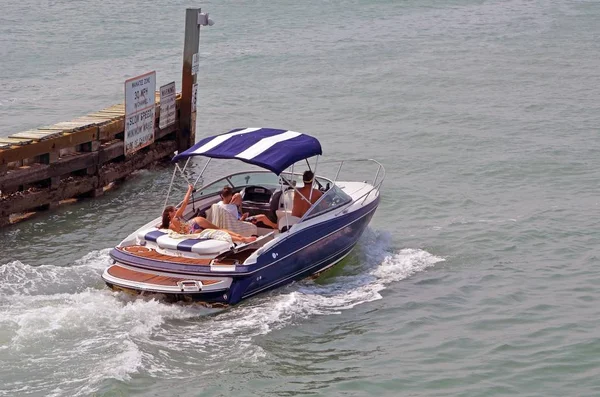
230, 203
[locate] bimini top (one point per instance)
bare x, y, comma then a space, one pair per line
267, 148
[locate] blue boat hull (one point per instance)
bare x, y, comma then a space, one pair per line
299, 255
295, 259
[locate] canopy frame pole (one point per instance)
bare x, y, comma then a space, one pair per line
170, 187
287, 221
186, 164
314, 178
182, 174
202, 172
296, 190
338, 172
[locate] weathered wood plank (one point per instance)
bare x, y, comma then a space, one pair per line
115, 171
33, 135
108, 131
115, 111
50, 128
45, 154
49, 145
26, 201
76, 124
111, 151
15, 141
38, 172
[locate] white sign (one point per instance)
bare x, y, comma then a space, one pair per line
194, 96
167, 105
140, 102
195, 64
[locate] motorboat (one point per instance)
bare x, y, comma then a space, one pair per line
156, 261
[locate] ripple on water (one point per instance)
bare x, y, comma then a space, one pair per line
81, 336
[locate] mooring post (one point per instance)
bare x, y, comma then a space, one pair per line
186, 136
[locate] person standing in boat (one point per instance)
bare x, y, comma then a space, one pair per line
172, 218
302, 204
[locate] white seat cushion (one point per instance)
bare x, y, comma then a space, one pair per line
199, 246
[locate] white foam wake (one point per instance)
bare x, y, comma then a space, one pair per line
365, 275
17, 278
64, 325
372, 267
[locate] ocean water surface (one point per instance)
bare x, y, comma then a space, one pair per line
479, 274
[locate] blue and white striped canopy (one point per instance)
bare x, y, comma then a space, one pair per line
267, 148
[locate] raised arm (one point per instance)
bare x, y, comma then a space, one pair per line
181, 209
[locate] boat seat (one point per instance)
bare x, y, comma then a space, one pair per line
198, 246
223, 219
279, 202
286, 219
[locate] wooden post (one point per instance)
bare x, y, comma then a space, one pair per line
55, 180
187, 128
93, 146
186, 136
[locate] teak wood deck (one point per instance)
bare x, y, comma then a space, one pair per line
140, 277
150, 253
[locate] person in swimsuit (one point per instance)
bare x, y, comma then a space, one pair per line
172, 218
311, 195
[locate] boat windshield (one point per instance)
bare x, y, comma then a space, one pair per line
334, 198
260, 178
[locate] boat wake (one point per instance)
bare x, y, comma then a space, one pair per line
66, 326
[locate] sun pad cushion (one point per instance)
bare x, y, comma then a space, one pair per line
199, 246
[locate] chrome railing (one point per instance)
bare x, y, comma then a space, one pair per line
380, 168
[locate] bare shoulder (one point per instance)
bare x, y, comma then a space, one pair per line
316, 194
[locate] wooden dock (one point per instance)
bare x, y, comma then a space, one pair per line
41, 168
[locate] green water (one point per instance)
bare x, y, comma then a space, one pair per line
479, 274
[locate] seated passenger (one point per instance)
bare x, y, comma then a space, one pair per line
301, 205
172, 218
232, 203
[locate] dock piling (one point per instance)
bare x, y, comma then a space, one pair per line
42, 168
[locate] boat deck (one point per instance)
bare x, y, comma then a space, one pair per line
148, 278
149, 253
